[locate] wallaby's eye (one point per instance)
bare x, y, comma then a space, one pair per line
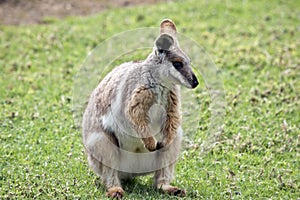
177, 64
161, 51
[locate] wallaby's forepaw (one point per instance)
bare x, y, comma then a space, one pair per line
115, 192
151, 147
150, 143
159, 145
174, 191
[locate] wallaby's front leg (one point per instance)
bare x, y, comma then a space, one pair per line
138, 107
172, 122
164, 176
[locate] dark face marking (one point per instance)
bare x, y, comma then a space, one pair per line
177, 65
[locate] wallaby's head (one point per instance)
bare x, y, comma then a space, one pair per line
174, 63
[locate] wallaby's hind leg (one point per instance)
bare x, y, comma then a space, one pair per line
162, 179
109, 177
96, 146
164, 176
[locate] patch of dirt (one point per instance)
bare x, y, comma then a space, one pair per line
19, 12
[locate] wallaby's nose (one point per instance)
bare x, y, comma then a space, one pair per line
194, 81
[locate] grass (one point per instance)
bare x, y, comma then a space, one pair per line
255, 44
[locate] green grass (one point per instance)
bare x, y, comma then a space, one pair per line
254, 43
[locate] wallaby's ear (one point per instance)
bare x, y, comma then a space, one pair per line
168, 26
164, 42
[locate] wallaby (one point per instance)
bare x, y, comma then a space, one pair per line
135, 110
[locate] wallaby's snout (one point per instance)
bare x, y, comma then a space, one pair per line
191, 78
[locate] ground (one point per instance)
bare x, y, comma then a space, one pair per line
17, 12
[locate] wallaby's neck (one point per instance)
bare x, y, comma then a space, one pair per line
156, 76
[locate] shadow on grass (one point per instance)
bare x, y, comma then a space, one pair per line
135, 189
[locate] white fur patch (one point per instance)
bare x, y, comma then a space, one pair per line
108, 121
177, 75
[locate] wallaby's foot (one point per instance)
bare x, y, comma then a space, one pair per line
174, 191
115, 192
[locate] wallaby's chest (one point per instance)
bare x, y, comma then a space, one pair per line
161, 95
157, 112
128, 137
